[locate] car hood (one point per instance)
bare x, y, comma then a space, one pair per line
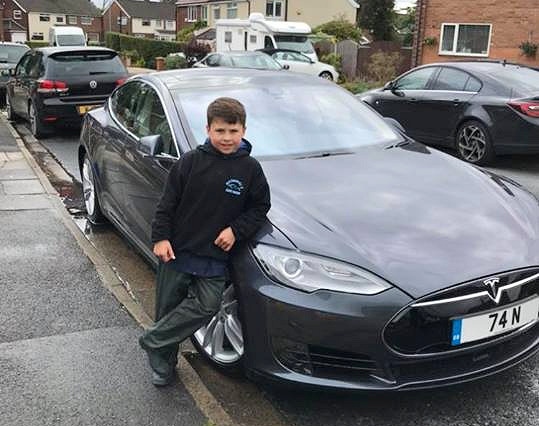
416, 217
7, 65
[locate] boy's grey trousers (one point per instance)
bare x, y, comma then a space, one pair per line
184, 303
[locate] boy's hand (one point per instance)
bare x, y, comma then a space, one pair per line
226, 239
163, 250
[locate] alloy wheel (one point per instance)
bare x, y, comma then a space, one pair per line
88, 188
222, 338
33, 119
9, 112
472, 143
326, 76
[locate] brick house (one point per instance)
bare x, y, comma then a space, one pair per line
313, 12
141, 18
25, 20
460, 29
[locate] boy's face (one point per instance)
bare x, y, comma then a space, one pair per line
225, 137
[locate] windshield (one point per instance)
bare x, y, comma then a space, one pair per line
298, 43
287, 119
70, 40
255, 61
12, 53
84, 64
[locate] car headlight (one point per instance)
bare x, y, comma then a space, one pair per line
310, 273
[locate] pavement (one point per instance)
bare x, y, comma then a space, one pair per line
68, 329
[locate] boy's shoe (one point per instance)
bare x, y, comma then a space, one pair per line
159, 380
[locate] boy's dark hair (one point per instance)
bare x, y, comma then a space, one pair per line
228, 109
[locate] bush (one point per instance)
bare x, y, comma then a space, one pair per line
384, 66
175, 62
360, 86
195, 49
146, 48
36, 44
187, 33
340, 29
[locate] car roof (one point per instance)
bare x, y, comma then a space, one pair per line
47, 51
195, 78
485, 66
238, 53
11, 43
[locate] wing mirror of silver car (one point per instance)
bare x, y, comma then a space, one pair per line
286, 67
150, 146
389, 85
395, 124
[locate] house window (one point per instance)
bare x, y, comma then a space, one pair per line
465, 39
72, 20
158, 23
274, 8
146, 23
204, 13
37, 36
192, 13
252, 39
44, 18
216, 12
86, 20
93, 37
17, 14
170, 25
121, 20
232, 10
59, 19
228, 36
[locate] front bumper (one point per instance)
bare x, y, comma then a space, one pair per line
335, 340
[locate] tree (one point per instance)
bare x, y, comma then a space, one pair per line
404, 25
377, 17
340, 29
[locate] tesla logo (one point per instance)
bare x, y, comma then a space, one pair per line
492, 289
93, 84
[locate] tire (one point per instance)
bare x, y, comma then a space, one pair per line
36, 126
473, 143
11, 116
221, 341
326, 75
89, 191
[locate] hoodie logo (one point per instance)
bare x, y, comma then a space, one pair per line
234, 186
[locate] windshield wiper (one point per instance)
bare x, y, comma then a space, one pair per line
398, 144
323, 154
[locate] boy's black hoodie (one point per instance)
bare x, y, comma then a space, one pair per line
207, 191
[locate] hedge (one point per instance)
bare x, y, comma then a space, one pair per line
147, 48
36, 44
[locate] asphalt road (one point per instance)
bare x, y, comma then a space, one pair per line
509, 398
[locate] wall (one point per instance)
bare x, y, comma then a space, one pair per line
8, 14
110, 21
316, 12
512, 24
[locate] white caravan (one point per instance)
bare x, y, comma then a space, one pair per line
258, 33
66, 36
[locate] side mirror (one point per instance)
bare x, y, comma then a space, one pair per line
395, 124
286, 67
150, 145
11, 72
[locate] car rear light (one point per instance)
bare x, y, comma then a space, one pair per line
120, 81
52, 86
528, 108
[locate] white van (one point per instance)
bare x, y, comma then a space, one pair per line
258, 33
66, 36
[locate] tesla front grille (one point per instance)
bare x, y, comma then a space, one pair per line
426, 326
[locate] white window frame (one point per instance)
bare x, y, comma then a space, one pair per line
216, 10
121, 20
170, 24
72, 20
158, 23
17, 14
274, 7
455, 38
204, 13
192, 14
39, 36
86, 20
60, 19
44, 17
232, 6
146, 22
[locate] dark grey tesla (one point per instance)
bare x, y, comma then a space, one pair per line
384, 264
481, 109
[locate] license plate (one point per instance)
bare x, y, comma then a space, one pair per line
477, 327
83, 109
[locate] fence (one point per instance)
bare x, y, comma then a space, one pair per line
356, 58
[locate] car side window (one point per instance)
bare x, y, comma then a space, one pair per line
451, 79
212, 61
225, 61
473, 85
123, 104
20, 71
35, 66
279, 56
299, 57
416, 80
152, 120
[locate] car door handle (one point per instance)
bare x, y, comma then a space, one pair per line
412, 100
456, 102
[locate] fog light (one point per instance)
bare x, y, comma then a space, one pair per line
293, 355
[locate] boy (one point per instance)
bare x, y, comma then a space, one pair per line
215, 196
